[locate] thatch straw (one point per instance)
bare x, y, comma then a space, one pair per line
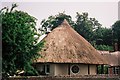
65, 45
113, 58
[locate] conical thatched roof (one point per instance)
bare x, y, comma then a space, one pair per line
65, 45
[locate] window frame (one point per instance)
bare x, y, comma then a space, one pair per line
47, 66
73, 66
44, 69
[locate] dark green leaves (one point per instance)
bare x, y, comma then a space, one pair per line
88, 27
54, 21
18, 39
116, 32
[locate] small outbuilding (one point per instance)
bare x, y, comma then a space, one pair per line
113, 59
67, 53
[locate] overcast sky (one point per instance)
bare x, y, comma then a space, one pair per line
105, 12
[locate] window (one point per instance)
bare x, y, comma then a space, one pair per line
47, 69
44, 69
75, 69
116, 70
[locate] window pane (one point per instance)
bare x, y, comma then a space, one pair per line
75, 69
47, 68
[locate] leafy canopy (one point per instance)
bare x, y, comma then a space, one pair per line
86, 26
54, 21
116, 32
19, 48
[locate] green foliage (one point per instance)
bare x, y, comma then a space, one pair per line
19, 48
116, 29
116, 32
90, 29
86, 26
103, 39
103, 36
104, 47
54, 21
105, 69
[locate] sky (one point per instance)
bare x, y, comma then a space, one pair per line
105, 12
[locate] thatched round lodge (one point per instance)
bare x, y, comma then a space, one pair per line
68, 53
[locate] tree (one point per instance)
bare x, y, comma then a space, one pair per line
116, 32
19, 38
103, 38
54, 21
90, 29
86, 26
104, 47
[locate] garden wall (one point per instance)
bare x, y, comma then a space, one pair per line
87, 77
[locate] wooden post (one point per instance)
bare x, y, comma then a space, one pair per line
102, 69
110, 70
68, 69
114, 71
97, 69
119, 71
107, 70
88, 69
